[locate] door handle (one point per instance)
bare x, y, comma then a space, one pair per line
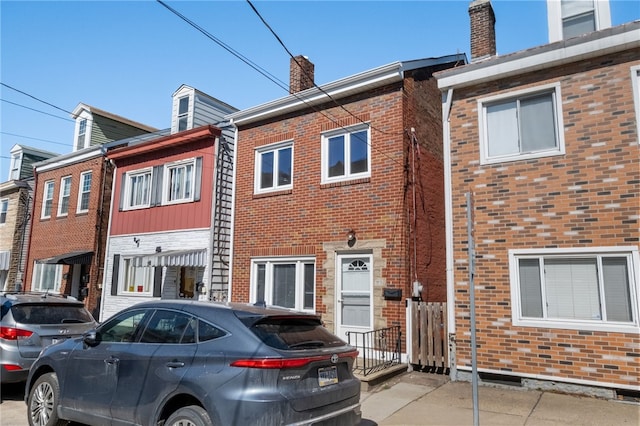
175, 364
112, 361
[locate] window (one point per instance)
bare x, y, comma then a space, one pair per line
575, 289
572, 18
522, 126
65, 193
122, 328
82, 133
14, 172
138, 189
47, 200
46, 277
137, 279
273, 167
183, 113
288, 283
170, 327
180, 181
346, 155
635, 83
4, 207
84, 192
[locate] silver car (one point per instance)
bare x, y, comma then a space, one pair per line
31, 321
178, 362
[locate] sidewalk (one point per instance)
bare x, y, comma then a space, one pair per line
428, 399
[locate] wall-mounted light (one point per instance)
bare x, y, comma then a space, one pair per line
351, 238
137, 241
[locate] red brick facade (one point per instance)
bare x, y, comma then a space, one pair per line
313, 219
586, 198
75, 232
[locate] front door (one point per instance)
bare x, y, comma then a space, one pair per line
354, 283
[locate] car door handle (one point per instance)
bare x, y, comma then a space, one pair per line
175, 364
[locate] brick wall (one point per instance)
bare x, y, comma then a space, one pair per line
585, 198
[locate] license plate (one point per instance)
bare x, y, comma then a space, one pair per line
327, 376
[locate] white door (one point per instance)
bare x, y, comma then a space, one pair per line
354, 284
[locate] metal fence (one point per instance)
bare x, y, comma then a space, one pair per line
378, 349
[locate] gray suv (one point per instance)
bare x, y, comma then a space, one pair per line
31, 321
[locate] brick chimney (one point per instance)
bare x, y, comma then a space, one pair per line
300, 76
483, 30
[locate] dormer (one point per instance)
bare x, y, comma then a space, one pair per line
95, 127
22, 160
193, 108
572, 18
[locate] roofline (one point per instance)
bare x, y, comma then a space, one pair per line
93, 110
66, 159
357, 83
13, 184
31, 150
164, 142
598, 43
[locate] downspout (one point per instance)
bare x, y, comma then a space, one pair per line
233, 210
448, 201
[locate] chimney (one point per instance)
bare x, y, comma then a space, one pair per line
300, 74
483, 30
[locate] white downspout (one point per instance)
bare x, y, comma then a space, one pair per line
233, 209
448, 202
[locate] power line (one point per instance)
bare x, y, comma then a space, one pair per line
37, 110
35, 139
37, 99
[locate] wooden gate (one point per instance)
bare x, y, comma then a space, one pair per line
429, 347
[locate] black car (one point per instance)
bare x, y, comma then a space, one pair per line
198, 363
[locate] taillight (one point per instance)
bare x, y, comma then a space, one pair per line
10, 333
282, 363
12, 367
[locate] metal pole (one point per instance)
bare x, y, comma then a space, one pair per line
472, 302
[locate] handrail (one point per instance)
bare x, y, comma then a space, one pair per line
379, 349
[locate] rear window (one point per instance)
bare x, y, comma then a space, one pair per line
295, 333
49, 313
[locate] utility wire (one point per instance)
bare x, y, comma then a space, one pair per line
37, 99
37, 110
35, 139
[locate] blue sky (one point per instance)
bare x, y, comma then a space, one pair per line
128, 57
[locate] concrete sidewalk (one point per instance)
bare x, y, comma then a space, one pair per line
428, 399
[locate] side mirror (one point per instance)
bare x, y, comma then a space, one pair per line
90, 338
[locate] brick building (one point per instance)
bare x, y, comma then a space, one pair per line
545, 142
339, 195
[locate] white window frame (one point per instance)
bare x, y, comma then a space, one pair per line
47, 197
129, 269
65, 193
81, 138
269, 280
633, 262
275, 149
186, 115
4, 209
166, 179
129, 188
16, 163
347, 132
483, 103
635, 83
555, 20
38, 277
82, 191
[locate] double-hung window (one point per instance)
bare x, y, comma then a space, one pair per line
179, 178
4, 207
84, 192
137, 279
521, 126
47, 200
573, 18
82, 134
288, 283
273, 167
46, 277
138, 189
15, 166
346, 154
584, 289
65, 194
183, 113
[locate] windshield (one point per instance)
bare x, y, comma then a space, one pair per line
295, 333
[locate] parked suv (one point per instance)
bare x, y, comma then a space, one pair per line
31, 321
177, 362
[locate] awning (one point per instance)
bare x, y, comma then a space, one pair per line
197, 258
5, 259
73, 258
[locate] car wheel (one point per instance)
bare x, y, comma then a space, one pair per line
43, 400
192, 415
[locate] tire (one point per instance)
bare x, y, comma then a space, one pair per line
192, 415
43, 402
